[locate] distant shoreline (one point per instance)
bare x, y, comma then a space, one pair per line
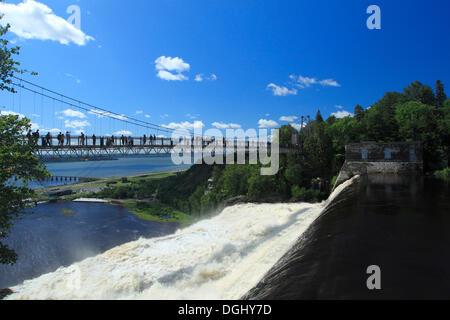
84, 190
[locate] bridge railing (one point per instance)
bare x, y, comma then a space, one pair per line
51, 142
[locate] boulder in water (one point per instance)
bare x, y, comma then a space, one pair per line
4, 293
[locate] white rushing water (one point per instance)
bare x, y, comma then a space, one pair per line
218, 258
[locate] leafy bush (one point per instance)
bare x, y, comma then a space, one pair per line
304, 194
443, 174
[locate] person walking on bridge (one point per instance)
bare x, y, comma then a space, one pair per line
82, 139
94, 140
144, 139
48, 138
67, 138
30, 137
36, 136
60, 139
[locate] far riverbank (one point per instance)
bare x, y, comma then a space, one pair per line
89, 190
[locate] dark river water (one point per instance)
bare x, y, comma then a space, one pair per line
48, 238
400, 224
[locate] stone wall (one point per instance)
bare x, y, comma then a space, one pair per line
385, 158
389, 151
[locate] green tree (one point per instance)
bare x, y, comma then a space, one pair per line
440, 94
379, 120
286, 133
419, 122
319, 117
18, 164
416, 91
359, 112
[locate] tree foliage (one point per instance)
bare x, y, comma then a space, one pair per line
309, 176
18, 164
440, 94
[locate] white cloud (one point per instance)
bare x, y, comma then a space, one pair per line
148, 116
171, 64
263, 123
139, 112
166, 75
306, 82
330, 82
342, 114
34, 20
72, 114
186, 125
52, 131
75, 124
221, 125
339, 106
200, 77
12, 113
296, 126
164, 116
123, 133
303, 82
102, 114
281, 91
267, 114
288, 118
73, 77
192, 117
166, 64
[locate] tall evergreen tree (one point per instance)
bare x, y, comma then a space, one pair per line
440, 94
416, 91
319, 116
359, 112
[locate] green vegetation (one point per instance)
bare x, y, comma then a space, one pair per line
18, 164
443, 174
414, 115
158, 212
68, 212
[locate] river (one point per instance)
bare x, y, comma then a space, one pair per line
275, 251
400, 224
50, 238
109, 168
221, 257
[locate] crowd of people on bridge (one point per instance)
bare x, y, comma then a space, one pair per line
151, 140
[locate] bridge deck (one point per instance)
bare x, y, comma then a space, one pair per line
104, 148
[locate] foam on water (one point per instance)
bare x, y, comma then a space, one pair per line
218, 258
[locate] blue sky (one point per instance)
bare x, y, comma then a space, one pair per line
259, 60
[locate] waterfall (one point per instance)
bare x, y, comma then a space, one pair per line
217, 258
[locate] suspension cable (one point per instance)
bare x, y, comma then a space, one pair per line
100, 112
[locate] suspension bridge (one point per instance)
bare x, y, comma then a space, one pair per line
49, 109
